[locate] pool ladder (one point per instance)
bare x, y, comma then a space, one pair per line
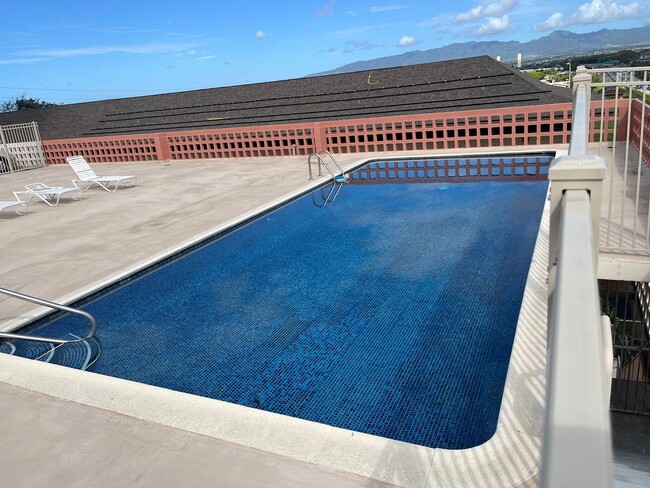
322, 157
327, 194
56, 306
339, 178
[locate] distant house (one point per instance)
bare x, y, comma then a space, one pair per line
644, 55
604, 64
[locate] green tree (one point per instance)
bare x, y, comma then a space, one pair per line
23, 103
547, 73
538, 75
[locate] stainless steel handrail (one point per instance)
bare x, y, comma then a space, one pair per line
334, 189
322, 162
327, 153
56, 306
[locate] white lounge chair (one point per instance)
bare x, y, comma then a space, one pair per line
86, 177
12, 204
48, 194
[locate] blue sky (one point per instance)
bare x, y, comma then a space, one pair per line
75, 51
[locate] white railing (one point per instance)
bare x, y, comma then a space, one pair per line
622, 129
577, 438
21, 148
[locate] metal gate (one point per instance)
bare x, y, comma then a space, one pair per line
21, 148
626, 303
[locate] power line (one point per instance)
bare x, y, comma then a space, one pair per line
109, 90
66, 89
93, 90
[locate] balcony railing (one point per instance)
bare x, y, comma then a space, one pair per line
577, 437
622, 128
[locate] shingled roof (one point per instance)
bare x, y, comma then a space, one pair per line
447, 86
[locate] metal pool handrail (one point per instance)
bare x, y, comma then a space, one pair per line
56, 306
327, 153
322, 162
334, 191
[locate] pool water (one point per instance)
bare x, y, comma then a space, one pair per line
390, 311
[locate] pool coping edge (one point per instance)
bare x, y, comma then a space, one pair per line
517, 437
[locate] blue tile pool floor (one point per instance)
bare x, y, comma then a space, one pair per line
391, 311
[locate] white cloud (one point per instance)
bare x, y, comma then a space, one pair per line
260, 34
491, 9
386, 8
354, 45
22, 60
331, 51
355, 31
604, 11
406, 41
439, 23
555, 21
117, 30
203, 58
326, 11
153, 48
592, 13
493, 25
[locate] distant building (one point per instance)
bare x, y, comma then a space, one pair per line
611, 63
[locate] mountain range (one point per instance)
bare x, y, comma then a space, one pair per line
557, 43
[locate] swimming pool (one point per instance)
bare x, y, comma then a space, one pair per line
289, 311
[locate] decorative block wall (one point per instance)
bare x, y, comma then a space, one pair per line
109, 149
508, 127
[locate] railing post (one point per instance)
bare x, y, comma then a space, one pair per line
36, 135
3, 144
581, 102
309, 166
577, 171
584, 172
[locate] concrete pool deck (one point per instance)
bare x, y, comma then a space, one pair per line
63, 426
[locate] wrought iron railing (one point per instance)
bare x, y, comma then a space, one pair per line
627, 303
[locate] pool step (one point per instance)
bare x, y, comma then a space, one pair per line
26, 349
78, 355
